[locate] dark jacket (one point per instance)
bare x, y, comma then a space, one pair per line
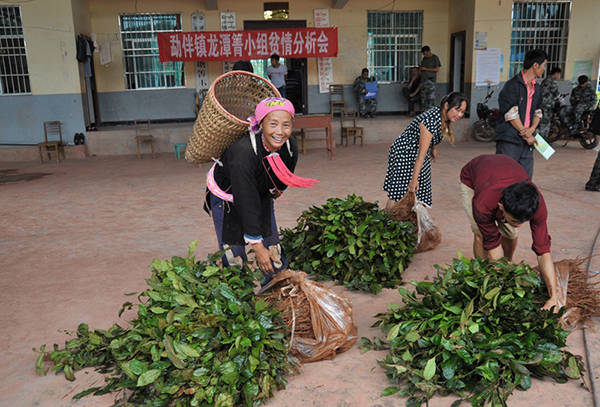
514, 93
248, 176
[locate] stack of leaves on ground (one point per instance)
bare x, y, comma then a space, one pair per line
477, 331
350, 241
200, 339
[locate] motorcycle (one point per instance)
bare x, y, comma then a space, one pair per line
484, 129
588, 129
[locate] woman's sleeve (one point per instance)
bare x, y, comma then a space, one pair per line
432, 125
245, 194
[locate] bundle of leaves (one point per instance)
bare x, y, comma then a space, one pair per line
477, 331
352, 242
200, 338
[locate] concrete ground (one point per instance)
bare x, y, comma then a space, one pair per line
74, 242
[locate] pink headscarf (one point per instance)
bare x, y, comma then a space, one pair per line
267, 106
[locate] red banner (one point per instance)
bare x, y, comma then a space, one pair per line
248, 44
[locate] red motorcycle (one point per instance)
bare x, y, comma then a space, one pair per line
484, 129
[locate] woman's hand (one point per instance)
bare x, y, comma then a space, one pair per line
263, 258
434, 154
413, 186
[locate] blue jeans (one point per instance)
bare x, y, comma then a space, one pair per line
523, 154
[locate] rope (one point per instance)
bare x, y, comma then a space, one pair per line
586, 339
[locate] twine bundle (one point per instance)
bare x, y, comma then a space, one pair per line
583, 291
318, 320
231, 99
295, 310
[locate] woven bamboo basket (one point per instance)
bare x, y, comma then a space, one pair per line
231, 99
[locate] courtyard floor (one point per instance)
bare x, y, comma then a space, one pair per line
74, 241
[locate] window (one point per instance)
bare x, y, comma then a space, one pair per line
394, 41
539, 24
143, 69
14, 74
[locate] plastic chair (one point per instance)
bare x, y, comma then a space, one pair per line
179, 147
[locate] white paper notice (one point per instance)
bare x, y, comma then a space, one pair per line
202, 83
324, 65
488, 67
543, 147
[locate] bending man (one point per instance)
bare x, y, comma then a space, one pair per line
499, 197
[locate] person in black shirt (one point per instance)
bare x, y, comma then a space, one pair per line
243, 184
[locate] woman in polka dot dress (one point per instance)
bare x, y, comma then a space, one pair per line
409, 163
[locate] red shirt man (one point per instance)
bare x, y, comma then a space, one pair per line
498, 197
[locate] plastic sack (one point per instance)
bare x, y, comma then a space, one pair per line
410, 209
319, 321
429, 235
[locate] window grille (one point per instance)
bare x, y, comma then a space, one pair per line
539, 24
143, 69
394, 41
14, 73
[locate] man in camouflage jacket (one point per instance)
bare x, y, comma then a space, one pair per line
366, 107
550, 94
582, 98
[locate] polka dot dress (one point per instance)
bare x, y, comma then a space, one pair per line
403, 155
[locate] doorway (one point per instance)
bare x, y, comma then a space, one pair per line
457, 62
296, 83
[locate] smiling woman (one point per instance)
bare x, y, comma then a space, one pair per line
409, 165
242, 185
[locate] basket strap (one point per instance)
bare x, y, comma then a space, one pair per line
253, 141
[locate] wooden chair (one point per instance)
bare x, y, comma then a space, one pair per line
143, 135
52, 130
336, 99
349, 127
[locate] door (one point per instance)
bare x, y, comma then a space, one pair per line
457, 62
296, 83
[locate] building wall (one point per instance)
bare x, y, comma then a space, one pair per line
118, 104
496, 19
54, 74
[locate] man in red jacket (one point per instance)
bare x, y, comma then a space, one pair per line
499, 197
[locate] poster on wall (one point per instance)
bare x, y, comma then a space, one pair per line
324, 65
199, 24
228, 24
582, 67
481, 40
488, 63
248, 44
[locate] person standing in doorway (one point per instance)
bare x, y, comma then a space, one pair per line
430, 65
278, 74
520, 104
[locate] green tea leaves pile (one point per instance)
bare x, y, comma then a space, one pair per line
350, 241
200, 339
477, 331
